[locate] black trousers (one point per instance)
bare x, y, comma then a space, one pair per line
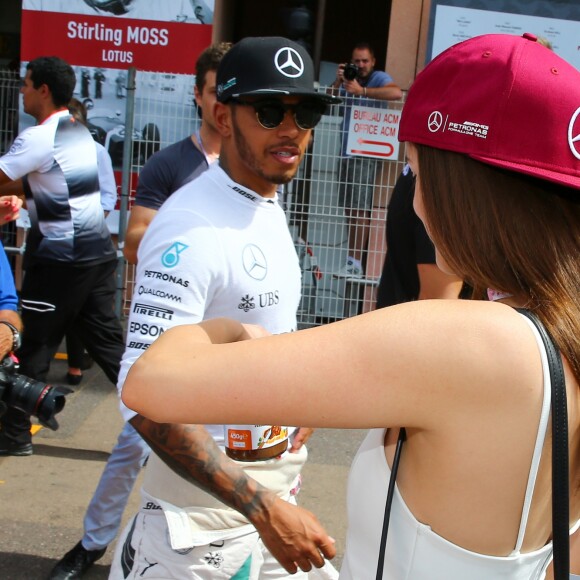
57, 297
75, 349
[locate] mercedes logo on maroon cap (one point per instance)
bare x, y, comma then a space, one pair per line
574, 134
289, 62
435, 121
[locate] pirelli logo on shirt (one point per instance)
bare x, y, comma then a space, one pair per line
153, 311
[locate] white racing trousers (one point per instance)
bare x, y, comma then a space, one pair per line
144, 551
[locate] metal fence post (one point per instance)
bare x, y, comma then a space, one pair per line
125, 187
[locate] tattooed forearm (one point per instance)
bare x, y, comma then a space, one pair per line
191, 452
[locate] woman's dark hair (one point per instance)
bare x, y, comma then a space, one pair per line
56, 74
510, 232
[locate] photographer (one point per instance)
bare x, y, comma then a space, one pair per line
10, 323
70, 258
359, 80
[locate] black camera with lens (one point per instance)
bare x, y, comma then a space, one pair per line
350, 71
32, 397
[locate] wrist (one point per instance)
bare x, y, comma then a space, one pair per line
258, 510
364, 91
15, 334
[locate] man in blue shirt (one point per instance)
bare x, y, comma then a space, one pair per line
357, 174
10, 323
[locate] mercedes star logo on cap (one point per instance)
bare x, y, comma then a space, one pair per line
435, 121
574, 134
289, 62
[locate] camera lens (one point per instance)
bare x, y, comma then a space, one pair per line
350, 71
38, 399
32, 397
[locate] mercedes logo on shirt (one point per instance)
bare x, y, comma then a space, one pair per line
574, 134
254, 262
435, 121
289, 62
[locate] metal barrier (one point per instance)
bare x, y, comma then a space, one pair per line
159, 109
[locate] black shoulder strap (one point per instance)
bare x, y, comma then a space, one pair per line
390, 493
560, 491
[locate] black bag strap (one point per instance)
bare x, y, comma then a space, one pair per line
560, 488
390, 493
560, 475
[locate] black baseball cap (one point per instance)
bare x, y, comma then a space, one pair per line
267, 66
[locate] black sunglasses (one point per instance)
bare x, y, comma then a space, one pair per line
270, 113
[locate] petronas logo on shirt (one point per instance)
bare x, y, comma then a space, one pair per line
247, 303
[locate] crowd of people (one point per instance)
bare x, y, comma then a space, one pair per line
457, 395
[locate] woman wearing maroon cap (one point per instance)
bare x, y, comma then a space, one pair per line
493, 132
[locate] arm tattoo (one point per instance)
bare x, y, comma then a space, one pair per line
191, 452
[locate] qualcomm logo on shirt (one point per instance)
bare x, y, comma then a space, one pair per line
170, 258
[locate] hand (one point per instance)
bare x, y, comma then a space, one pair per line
353, 87
9, 208
294, 536
254, 331
339, 75
300, 438
6, 340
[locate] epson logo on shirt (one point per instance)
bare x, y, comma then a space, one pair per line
146, 329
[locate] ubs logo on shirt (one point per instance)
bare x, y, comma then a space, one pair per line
265, 300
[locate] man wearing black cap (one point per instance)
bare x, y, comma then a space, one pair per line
220, 247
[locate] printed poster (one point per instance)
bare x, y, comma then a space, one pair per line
558, 22
373, 132
101, 39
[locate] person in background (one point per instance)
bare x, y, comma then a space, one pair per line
10, 321
460, 388
221, 244
357, 174
171, 168
77, 357
410, 271
164, 173
70, 259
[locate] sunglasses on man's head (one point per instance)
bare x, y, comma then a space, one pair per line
270, 113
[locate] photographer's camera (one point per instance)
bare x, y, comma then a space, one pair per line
350, 71
32, 397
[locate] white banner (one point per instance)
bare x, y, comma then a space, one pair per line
454, 24
373, 132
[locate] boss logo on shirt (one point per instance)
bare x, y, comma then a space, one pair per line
139, 345
244, 193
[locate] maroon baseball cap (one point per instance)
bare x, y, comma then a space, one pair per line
502, 99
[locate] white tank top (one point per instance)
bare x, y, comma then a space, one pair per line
414, 551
